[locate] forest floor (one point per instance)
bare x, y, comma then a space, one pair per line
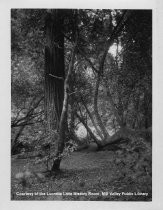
85, 175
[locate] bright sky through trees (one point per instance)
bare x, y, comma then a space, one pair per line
113, 49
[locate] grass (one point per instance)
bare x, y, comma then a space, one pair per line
84, 176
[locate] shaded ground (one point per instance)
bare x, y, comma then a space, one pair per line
95, 175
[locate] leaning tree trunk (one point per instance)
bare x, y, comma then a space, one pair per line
96, 140
92, 120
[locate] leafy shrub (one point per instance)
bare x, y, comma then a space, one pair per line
136, 158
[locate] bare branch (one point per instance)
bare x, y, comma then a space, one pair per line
56, 77
30, 115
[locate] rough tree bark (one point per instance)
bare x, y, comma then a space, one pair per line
56, 85
54, 78
54, 68
63, 118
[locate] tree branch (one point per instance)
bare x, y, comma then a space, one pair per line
56, 77
92, 119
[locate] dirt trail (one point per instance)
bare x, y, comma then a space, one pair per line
88, 160
84, 171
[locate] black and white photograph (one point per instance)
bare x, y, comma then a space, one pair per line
81, 104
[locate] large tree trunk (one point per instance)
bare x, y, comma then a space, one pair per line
63, 119
54, 68
55, 110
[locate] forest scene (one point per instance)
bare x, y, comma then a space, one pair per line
81, 104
